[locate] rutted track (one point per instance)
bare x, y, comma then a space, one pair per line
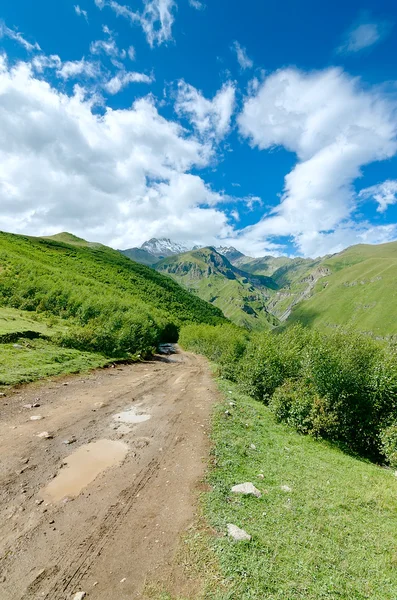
123, 528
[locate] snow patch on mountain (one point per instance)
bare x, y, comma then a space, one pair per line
163, 247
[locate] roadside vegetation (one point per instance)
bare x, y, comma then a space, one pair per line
86, 298
340, 386
325, 526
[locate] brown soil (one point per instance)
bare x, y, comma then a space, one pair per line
121, 528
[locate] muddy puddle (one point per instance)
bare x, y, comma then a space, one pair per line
132, 415
83, 466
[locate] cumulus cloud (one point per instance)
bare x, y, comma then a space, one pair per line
242, 57
80, 12
210, 118
384, 194
117, 177
124, 78
364, 34
335, 127
156, 18
17, 37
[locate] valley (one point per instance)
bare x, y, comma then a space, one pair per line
265, 292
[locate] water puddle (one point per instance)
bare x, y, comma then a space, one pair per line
132, 415
83, 466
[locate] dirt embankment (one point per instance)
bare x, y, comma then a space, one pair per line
100, 503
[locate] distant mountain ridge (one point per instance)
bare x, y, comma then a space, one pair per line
154, 250
241, 296
354, 287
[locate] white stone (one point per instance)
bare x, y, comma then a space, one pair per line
248, 489
36, 418
253, 447
45, 435
79, 596
286, 488
238, 535
261, 476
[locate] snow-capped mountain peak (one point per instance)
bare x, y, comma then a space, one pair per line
229, 252
163, 247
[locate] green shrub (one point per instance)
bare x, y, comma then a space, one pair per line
341, 385
294, 403
388, 437
223, 344
270, 359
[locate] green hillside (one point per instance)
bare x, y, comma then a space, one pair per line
141, 256
88, 298
241, 296
360, 290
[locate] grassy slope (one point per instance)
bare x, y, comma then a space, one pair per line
40, 274
98, 270
17, 322
238, 295
332, 536
361, 291
39, 358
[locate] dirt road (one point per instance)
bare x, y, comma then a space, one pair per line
100, 505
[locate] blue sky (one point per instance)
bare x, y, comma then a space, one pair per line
270, 126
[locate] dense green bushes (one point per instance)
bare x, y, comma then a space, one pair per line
109, 304
341, 386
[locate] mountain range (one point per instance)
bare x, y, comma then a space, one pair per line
357, 286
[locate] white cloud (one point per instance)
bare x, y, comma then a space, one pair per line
335, 127
124, 78
17, 37
156, 18
108, 46
197, 4
243, 59
42, 62
131, 53
80, 12
384, 194
210, 118
123, 11
364, 34
79, 68
118, 177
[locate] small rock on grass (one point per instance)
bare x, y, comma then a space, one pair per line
286, 488
248, 489
261, 476
237, 534
253, 447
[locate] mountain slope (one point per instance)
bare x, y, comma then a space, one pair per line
113, 304
360, 290
241, 297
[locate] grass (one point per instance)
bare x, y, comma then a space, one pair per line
14, 321
360, 292
333, 536
40, 358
